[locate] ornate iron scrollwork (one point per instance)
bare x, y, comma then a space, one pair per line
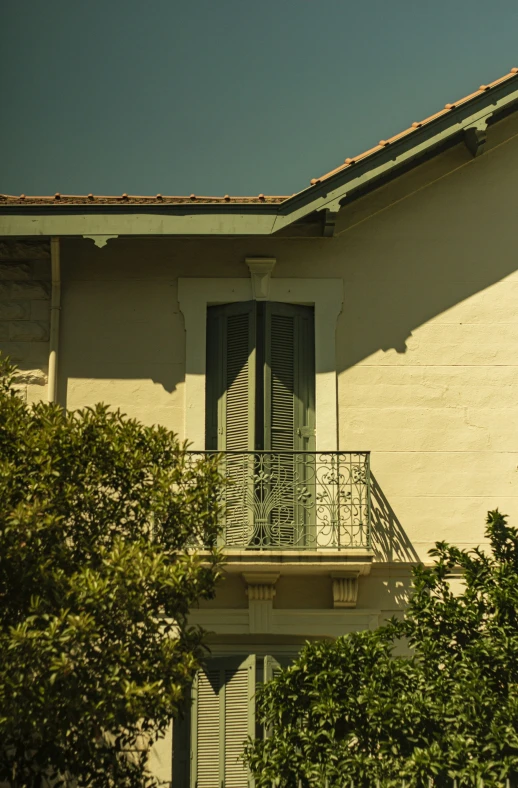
296, 500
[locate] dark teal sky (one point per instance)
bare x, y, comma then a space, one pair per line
227, 96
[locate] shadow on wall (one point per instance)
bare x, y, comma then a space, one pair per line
121, 330
426, 254
168, 376
382, 314
389, 539
390, 543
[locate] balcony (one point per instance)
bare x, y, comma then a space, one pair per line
305, 502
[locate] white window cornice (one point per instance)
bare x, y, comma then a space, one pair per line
326, 295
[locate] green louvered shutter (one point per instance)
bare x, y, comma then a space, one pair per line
289, 416
239, 720
289, 378
278, 339
206, 763
223, 716
230, 397
272, 668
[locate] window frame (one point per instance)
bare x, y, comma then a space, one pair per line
260, 667
325, 295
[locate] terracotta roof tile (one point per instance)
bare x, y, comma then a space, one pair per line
416, 125
159, 199
132, 199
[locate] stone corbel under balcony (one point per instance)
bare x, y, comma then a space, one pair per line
345, 589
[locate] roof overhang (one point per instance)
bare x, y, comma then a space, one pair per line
133, 221
466, 122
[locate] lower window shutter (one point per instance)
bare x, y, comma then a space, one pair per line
271, 668
206, 760
239, 720
223, 716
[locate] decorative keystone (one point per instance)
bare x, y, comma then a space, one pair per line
345, 589
260, 271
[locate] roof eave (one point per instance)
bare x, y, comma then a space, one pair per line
331, 191
233, 218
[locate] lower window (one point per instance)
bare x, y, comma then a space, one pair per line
208, 742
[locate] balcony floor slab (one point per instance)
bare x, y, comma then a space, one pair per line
298, 562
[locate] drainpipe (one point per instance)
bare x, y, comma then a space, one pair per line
55, 308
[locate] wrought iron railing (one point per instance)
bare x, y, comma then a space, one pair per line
295, 500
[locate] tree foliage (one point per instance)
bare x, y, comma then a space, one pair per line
355, 713
98, 518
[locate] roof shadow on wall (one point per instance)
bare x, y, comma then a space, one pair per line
434, 238
109, 388
121, 332
389, 539
382, 314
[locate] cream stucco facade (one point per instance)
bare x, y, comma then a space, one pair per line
416, 305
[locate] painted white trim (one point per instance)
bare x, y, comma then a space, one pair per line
222, 621
110, 224
259, 649
293, 622
194, 295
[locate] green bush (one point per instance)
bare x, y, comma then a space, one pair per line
352, 712
97, 514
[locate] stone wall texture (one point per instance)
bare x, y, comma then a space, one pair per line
25, 283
